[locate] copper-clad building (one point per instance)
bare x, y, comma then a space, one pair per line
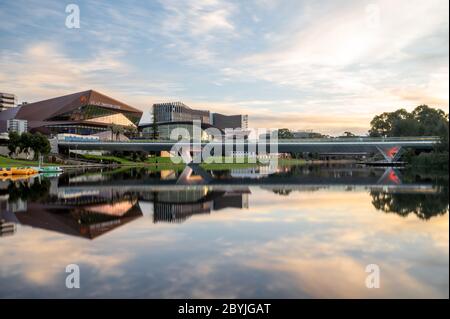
86, 112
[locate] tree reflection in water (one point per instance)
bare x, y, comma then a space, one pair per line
423, 205
35, 190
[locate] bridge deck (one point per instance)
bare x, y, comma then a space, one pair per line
317, 145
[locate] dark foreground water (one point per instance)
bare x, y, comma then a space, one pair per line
298, 232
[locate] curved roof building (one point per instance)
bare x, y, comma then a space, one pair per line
86, 112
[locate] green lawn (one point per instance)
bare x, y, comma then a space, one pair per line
226, 166
107, 159
160, 161
9, 162
220, 164
291, 161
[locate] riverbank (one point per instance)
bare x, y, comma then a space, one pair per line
9, 162
430, 161
88, 161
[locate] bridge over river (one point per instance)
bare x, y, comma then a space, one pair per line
391, 148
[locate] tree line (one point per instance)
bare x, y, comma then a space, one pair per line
422, 121
27, 142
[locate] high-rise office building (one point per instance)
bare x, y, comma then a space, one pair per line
7, 101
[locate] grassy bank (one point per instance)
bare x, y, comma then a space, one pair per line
165, 162
224, 163
105, 159
9, 162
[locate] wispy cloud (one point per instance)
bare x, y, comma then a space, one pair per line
336, 63
42, 71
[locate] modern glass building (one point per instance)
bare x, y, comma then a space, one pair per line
83, 113
178, 112
176, 115
165, 130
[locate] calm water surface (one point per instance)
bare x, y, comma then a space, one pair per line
286, 232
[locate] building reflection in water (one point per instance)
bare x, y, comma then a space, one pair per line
177, 206
89, 204
89, 213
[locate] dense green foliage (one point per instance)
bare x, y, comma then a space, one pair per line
422, 121
284, 133
25, 142
433, 160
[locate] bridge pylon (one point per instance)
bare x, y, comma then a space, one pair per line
391, 153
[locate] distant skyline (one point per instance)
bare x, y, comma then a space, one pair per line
329, 66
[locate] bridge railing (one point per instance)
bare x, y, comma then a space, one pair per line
300, 140
364, 139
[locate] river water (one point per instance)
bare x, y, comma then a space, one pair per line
283, 232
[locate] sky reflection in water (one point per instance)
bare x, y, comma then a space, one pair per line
302, 232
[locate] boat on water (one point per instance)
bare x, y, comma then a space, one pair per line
23, 170
6, 171
16, 173
49, 169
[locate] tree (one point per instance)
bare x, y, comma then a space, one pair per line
406, 127
422, 121
116, 130
432, 121
383, 124
284, 133
349, 134
40, 145
26, 143
131, 130
13, 143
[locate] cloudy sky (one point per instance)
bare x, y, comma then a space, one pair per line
322, 65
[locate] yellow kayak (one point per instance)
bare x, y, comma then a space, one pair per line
19, 171
23, 171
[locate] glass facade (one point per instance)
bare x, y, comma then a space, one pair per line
164, 131
75, 129
83, 113
98, 114
178, 112
116, 119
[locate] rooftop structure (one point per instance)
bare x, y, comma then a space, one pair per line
84, 113
178, 112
